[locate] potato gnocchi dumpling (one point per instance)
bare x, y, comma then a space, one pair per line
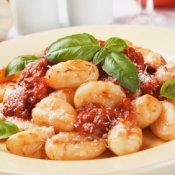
74, 146
99, 92
65, 94
146, 110
165, 73
124, 139
53, 111
30, 143
152, 58
164, 126
71, 74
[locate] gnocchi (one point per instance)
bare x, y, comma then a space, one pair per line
152, 58
124, 139
164, 126
71, 74
166, 72
86, 98
73, 146
53, 111
65, 94
146, 110
30, 143
105, 93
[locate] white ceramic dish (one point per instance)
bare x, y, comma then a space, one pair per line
159, 160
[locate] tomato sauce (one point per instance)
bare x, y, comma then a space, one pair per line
135, 57
31, 88
96, 119
101, 43
151, 87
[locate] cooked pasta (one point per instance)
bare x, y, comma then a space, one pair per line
84, 96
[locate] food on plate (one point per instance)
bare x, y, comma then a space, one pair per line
155, 60
124, 138
74, 146
166, 72
146, 110
3, 90
22, 124
164, 126
53, 111
71, 74
4, 78
106, 94
66, 94
83, 97
29, 143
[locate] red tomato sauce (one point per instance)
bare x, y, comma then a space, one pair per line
135, 57
101, 43
31, 88
96, 119
151, 87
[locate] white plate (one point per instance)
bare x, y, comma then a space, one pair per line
159, 160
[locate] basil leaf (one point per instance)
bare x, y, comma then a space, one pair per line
19, 63
79, 46
7, 129
168, 89
119, 66
100, 55
115, 44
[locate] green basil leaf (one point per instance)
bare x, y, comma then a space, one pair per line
79, 46
119, 66
19, 63
100, 56
115, 44
7, 129
168, 89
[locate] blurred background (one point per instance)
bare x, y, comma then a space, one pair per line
22, 17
